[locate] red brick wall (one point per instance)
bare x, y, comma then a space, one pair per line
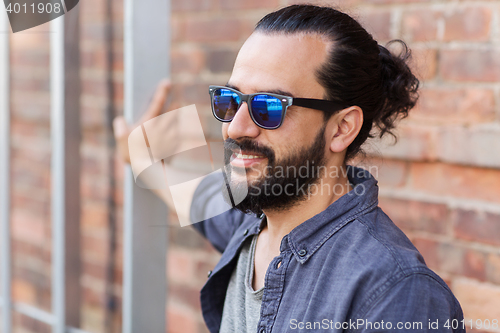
440, 183
31, 153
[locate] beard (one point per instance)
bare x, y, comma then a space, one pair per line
284, 182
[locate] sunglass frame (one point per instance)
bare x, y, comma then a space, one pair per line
286, 101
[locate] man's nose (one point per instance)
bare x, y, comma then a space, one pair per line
242, 124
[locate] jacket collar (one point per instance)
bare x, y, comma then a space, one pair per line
305, 239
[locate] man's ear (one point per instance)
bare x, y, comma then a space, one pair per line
345, 126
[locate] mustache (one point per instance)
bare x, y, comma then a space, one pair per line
249, 146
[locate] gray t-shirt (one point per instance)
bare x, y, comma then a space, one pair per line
242, 305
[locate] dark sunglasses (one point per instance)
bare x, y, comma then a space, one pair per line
267, 110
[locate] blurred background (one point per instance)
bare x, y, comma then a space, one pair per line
440, 183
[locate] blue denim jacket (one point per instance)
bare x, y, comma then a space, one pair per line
347, 269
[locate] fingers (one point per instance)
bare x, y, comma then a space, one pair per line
120, 127
156, 106
121, 131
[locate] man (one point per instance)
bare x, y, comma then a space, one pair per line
314, 251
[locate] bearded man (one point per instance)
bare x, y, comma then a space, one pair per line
312, 251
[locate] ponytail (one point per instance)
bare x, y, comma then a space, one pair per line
399, 87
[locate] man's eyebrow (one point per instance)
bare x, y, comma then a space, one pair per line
231, 86
280, 92
273, 91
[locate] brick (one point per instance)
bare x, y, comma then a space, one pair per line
20, 247
493, 268
468, 23
34, 109
445, 106
177, 29
29, 194
187, 60
424, 63
187, 296
94, 32
475, 264
191, 5
27, 324
37, 39
94, 88
94, 215
481, 65
95, 249
221, 60
206, 30
478, 300
477, 226
195, 93
417, 216
187, 238
180, 266
28, 228
453, 259
420, 25
377, 23
23, 291
429, 250
33, 58
249, 4
92, 318
94, 9
93, 297
474, 145
450, 258
92, 111
456, 181
29, 84
389, 173
180, 321
94, 58
93, 270
414, 142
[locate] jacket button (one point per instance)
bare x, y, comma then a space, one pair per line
245, 232
302, 252
209, 273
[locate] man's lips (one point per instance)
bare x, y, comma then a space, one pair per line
245, 159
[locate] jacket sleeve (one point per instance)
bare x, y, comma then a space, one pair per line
212, 216
417, 303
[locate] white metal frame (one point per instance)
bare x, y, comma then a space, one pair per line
147, 54
5, 300
64, 69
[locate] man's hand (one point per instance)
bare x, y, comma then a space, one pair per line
162, 133
122, 129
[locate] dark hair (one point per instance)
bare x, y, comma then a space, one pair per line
358, 71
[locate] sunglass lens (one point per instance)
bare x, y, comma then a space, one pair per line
225, 104
267, 110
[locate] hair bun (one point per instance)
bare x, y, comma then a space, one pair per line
399, 86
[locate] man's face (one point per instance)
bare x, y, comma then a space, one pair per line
284, 64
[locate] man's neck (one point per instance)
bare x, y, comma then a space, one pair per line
281, 222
